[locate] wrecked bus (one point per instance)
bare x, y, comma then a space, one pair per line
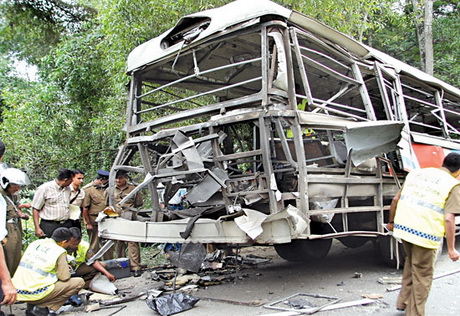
252, 124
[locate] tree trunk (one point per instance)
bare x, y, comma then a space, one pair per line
423, 15
428, 31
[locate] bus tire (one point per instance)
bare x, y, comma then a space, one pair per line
304, 249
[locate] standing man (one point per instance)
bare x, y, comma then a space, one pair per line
94, 203
11, 180
421, 214
122, 189
77, 195
43, 277
7, 290
51, 204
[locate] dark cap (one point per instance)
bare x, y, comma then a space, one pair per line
102, 174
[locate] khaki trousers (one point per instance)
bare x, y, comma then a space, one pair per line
417, 279
87, 273
13, 246
95, 243
134, 253
61, 293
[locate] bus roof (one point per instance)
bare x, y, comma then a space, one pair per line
202, 25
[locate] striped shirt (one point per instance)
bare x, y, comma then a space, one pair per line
52, 201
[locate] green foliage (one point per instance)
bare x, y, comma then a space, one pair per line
74, 114
361, 18
29, 28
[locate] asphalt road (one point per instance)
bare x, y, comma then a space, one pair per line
334, 276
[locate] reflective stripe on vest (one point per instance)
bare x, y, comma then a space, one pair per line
420, 211
36, 274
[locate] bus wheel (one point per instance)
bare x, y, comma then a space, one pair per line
384, 247
304, 249
353, 242
388, 248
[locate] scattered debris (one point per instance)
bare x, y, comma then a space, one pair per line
254, 303
122, 300
390, 280
365, 301
299, 303
119, 309
100, 283
341, 284
172, 303
97, 306
190, 256
358, 275
372, 296
395, 288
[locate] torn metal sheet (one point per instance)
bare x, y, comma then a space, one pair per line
251, 222
207, 187
324, 204
299, 222
281, 80
370, 139
187, 146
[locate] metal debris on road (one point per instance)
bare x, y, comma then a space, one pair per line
299, 303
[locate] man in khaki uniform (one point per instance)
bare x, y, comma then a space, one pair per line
11, 180
43, 278
7, 290
94, 203
122, 189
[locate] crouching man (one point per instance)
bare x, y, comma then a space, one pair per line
42, 278
79, 251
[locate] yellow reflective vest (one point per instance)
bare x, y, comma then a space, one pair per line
420, 211
80, 255
36, 274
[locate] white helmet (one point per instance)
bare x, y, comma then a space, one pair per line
13, 176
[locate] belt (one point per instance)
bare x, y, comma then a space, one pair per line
52, 221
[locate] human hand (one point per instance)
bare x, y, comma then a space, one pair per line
39, 232
23, 215
9, 293
454, 255
111, 277
4, 241
390, 226
89, 226
25, 205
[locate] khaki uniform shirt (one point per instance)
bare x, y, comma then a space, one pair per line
453, 201
94, 199
134, 201
52, 201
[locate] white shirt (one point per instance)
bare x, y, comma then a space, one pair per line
3, 209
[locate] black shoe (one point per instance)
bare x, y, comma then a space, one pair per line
137, 273
38, 311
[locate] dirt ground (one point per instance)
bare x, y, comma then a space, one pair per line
345, 273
